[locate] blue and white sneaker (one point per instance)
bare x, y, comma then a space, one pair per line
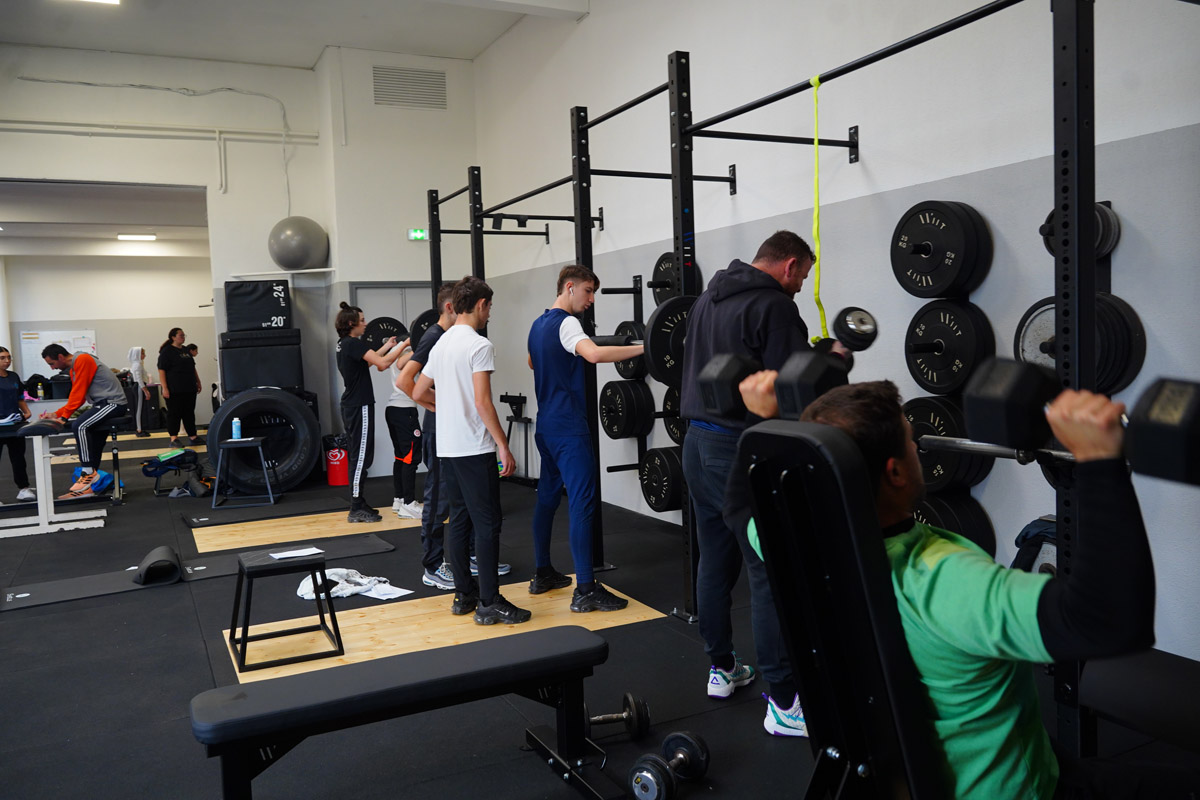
785, 721
501, 569
722, 683
442, 578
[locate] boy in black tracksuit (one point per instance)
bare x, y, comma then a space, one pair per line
354, 360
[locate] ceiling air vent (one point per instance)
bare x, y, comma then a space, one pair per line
405, 87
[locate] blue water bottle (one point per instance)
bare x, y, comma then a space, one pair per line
237, 428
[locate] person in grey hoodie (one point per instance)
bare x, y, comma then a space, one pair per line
93, 382
137, 371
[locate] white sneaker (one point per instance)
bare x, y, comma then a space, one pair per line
396, 504
416, 507
784, 721
26, 494
722, 683
405, 512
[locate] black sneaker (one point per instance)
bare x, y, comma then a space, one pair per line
544, 583
501, 611
463, 605
598, 599
142, 435
363, 515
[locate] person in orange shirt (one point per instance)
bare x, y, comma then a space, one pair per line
94, 382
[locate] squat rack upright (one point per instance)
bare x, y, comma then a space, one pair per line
1075, 275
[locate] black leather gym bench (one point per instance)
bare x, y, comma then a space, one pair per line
251, 726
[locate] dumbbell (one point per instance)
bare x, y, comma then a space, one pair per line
635, 714
684, 757
805, 375
1004, 404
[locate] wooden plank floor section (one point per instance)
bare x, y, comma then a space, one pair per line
73, 458
408, 626
266, 532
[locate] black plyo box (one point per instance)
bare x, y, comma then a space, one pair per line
257, 305
259, 338
246, 367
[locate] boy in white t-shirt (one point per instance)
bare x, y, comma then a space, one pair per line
469, 441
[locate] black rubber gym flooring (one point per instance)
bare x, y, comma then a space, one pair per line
94, 692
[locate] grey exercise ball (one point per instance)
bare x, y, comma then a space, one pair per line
298, 243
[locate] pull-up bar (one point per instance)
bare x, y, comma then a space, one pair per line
859, 63
622, 108
768, 137
452, 195
526, 196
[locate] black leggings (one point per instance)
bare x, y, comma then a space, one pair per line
181, 407
405, 430
16, 457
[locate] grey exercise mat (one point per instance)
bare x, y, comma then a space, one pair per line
282, 509
162, 567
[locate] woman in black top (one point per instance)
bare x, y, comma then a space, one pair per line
354, 360
13, 411
181, 383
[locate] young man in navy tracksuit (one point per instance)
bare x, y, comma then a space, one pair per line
558, 348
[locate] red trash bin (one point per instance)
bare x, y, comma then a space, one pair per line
337, 467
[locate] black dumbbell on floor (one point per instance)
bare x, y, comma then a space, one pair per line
635, 714
806, 374
684, 757
1005, 400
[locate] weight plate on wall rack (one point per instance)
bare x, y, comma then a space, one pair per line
1120, 340
959, 513
668, 278
626, 409
661, 475
945, 342
631, 369
944, 469
676, 426
665, 333
941, 249
1108, 231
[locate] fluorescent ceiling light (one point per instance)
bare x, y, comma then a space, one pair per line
109, 2
134, 237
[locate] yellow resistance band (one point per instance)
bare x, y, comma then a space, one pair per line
816, 82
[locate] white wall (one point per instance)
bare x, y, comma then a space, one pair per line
972, 99
58, 287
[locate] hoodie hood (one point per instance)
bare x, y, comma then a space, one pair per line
740, 277
136, 367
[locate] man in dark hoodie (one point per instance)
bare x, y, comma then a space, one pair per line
747, 309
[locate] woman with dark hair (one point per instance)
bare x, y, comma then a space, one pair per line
354, 360
181, 383
13, 410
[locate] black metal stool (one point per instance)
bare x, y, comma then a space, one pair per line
112, 426
260, 564
222, 464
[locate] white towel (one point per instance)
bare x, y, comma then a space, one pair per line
350, 581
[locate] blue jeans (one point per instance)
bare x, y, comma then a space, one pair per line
708, 457
566, 461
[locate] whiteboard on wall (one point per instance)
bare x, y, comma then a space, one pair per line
33, 342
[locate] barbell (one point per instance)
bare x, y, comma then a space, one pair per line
1005, 402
